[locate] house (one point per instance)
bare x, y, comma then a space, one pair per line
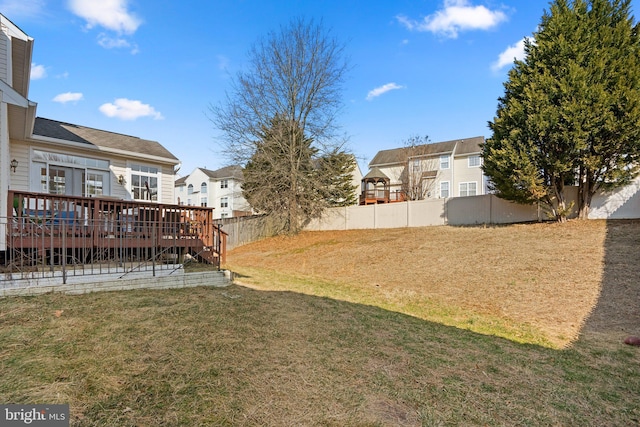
220, 189
70, 193
436, 170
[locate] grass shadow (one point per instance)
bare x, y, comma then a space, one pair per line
208, 356
617, 313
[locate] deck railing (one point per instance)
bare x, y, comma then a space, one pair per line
45, 231
381, 196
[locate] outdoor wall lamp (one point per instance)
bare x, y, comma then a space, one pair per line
121, 180
14, 165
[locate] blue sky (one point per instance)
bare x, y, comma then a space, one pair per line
151, 68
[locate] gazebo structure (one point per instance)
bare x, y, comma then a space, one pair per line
376, 189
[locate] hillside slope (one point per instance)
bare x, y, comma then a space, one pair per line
537, 283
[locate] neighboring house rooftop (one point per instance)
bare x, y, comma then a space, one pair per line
226, 172
99, 138
469, 145
399, 155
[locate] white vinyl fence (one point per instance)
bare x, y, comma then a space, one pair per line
459, 211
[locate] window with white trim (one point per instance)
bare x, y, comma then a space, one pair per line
474, 161
203, 188
224, 202
444, 161
144, 182
415, 165
468, 189
203, 202
444, 189
190, 189
224, 183
72, 175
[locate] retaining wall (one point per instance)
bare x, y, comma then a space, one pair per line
107, 282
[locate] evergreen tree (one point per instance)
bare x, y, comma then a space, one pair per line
335, 170
280, 179
571, 108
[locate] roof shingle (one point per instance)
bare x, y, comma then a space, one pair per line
99, 138
399, 155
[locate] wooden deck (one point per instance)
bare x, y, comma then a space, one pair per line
373, 197
63, 226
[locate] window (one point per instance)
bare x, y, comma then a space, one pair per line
203, 202
474, 161
71, 175
224, 202
415, 165
444, 162
94, 183
224, 215
144, 182
203, 188
190, 189
224, 183
444, 189
468, 189
58, 180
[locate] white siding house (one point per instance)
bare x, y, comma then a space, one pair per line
437, 170
40, 155
220, 189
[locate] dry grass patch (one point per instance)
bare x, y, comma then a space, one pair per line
237, 356
241, 356
532, 283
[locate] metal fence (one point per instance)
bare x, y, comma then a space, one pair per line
37, 248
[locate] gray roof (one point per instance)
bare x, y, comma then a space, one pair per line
469, 145
399, 155
99, 138
233, 171
375, 173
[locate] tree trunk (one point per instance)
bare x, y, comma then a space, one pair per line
561, 207
585, 194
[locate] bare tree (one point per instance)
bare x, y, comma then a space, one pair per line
420, 172
280, 116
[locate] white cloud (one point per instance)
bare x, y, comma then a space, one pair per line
111, 42
382, 89
108, 42
507, 57
456, 16
38, 71
127, 109
63, 98
109, 14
